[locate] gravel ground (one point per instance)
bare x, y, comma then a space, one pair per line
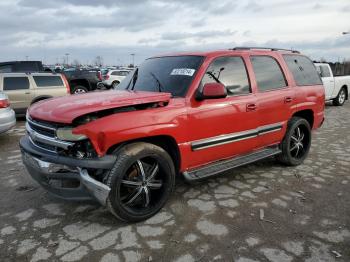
261, 212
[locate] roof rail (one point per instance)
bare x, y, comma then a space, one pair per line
263, 48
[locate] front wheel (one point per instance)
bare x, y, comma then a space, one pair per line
296, 143
341, 97
141, 181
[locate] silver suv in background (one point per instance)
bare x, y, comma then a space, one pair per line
7, 115
24, 89
114, 77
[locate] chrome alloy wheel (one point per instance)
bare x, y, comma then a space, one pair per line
298, 142
79, 91
342, 97
140, 187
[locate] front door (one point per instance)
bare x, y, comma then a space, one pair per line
225, 127
328, 81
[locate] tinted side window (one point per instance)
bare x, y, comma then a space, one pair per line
48, 81
116, 73
16, 83
268, 73
231, 72
303, 70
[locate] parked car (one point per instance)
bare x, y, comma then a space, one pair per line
337, 87
7, 115
21, 67
25, 89
114, 77
195, 114
81, 80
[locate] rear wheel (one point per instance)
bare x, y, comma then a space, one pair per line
341, 97
79, 90
296, 143
141, 181
115, 84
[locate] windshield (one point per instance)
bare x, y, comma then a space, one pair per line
171, 74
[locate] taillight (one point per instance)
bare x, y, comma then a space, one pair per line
66, 83
106, 77
4, 103
99, 75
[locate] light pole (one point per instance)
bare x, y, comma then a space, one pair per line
133, 59
67, 54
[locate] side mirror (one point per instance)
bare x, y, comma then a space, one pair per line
212, 91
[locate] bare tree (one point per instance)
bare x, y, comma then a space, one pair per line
76, 63
98, 61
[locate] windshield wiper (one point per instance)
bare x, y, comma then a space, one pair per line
160, 86
134, 79
213, 76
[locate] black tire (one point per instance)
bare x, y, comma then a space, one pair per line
341, 97
296, 144
101, 86
79, 90
115, 84
128, 196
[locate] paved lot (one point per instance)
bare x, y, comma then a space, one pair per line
305, 211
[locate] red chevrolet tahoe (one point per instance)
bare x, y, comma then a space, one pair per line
195, 114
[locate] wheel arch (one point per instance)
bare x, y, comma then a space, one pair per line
168, 143
77, 82
346, 91
39, 98
307, 114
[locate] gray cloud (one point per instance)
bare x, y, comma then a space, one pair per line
201, 34
46, 29
253, 6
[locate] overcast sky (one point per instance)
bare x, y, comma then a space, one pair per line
47, 29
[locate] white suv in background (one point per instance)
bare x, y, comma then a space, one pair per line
337, 88
114, 77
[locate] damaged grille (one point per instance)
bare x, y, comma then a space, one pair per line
43, 136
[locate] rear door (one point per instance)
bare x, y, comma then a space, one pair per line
225, 127
275, 98
19, 91
48, 86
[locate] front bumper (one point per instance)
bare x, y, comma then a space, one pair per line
66, 177
7, 119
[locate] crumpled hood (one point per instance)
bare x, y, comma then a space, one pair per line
66, 109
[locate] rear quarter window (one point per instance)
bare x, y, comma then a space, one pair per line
303, 70
48, 81
15, 83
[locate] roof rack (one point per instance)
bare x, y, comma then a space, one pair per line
263, 48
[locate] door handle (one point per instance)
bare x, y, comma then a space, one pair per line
288, 99
251, 107
27, 93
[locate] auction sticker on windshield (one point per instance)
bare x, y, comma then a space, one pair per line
182, 72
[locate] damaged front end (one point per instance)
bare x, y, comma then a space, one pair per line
66, 163
63, 163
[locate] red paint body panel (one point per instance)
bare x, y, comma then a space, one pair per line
66, 109
187, 120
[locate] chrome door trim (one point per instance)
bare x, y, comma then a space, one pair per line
235, 137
